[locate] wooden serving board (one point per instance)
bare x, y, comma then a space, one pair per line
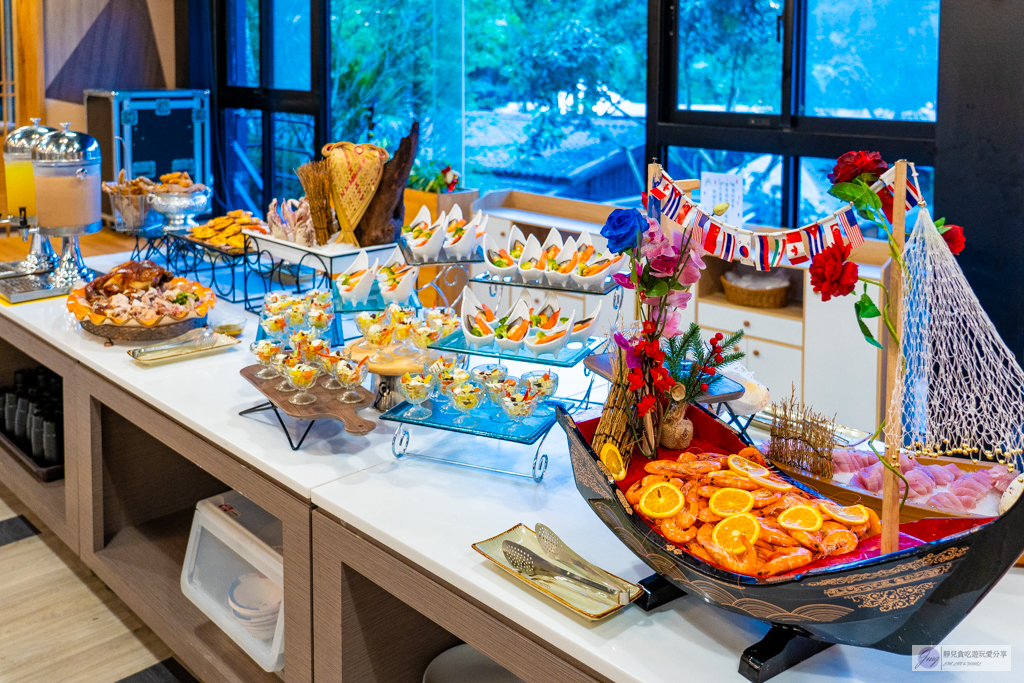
396, 368
326, 406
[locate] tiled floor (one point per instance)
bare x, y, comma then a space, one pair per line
59, 623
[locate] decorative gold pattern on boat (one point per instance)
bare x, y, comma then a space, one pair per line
898, 598
586, 471
926, 561
892, 582
761, 609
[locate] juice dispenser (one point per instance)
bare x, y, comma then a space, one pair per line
66, 171
21, 200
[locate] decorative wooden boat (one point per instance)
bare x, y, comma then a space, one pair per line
914, 596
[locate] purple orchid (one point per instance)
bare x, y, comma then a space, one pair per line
632, 360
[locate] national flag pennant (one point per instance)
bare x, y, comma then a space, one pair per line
795, 250
744, 249
728, 246
672, 206
663, 188
833, 233
913, 193
706, 231
768, 252
815, 239
848, 219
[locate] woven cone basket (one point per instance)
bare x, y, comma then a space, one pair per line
355, 174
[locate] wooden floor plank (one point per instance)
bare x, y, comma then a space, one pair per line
58, 622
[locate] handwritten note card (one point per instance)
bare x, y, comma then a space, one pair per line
716, 188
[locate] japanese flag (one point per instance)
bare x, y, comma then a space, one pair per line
795, 250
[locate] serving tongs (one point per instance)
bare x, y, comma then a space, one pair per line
194, 340
529, 563
556, 549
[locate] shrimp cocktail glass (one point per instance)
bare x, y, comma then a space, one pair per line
351, 375
542, 383
449, 372
519, 404
466, 397
423, 334
264, 350
416, 388
363, 322
282, 361
302, 376
327, 361
403, 318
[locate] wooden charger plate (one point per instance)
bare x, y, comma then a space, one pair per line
326, 406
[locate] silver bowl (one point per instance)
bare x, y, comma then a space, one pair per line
179, 209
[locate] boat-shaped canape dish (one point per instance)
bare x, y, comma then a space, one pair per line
427, 246
477, 319
397, 279
584, 328
499, 261
355, 282
513, 327
560, 268
531, 261
551, 341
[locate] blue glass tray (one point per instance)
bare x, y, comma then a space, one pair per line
571, 354
525, 433
374, 302
609, 285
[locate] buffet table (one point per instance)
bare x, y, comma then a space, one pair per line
380, 575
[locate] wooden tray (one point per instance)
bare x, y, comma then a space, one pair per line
326, 406
44, 474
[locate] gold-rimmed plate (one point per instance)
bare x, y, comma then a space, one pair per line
583, 600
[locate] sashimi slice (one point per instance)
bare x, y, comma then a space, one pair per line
946, 500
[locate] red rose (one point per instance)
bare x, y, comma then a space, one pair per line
954, 236
831, 274
852, 164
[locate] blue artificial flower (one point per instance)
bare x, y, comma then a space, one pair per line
623, 229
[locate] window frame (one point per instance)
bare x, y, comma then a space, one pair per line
789, 134
271, 100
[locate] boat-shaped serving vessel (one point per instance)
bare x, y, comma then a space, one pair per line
913, 596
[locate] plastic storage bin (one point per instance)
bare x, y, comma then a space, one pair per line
234, 573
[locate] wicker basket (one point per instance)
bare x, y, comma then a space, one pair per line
776, 297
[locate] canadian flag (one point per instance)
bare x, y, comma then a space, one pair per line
795, 250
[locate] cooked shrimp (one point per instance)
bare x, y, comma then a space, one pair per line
677, 531
764, 502
839, 542
829, 526
694, 548
775, 536
786, 561
634, 492
705, 514
707, 491
728, 479
687, 457
808, 539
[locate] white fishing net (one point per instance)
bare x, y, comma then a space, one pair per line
960, 388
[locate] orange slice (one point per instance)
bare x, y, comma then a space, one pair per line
730, 501
742, 466
770, 482
737, 533
661, 500
612, 459
855, 515
801, 518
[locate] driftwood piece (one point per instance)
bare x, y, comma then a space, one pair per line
387, 208
802, 438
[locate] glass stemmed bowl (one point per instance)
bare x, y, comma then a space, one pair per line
519, 404
363, 322
264, 350
423, 334
302, 377
544, 383
416, 388
379, 336
350, 375
281, 363
449, 371
328, 360
496, 389
466, 397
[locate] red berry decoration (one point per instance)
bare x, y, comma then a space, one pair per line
704, 387
718, 358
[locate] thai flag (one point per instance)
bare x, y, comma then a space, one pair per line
913, 193
815, 239
795, 247
848, 219
769, 253
728, 246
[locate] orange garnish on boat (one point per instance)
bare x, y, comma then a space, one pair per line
771, 482
855, 515
730, 501
661, 500
801, 518
737, 533
746, 468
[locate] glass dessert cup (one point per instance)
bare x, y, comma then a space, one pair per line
363, 322
320, 320
350, 375
488, 372
403, 318
543, 383
295, 316
423, 335
328, 360
265, 350
379, 336
519, 405
320, 298
302, 377
449, 372
274, 325
496, 390
312, 349
465, 397
416, 389
281, 363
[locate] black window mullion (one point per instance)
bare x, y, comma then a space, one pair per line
320, 57
267, 169
788, 66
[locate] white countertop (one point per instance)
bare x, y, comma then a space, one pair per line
206, 394
432, 514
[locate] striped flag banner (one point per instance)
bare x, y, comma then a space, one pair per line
815, 239
768, 252
889, 179
672, 206
728, 245
700, 224
848, 219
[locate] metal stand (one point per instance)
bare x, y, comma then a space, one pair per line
780, 649
40, 258
270, 406
71, 267
400, 449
